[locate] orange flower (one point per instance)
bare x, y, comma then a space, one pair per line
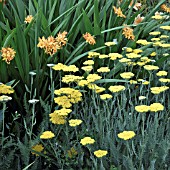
138, 20
128, 33
51, 44
7, 54
89, 38
137, 6
118, 12
28, 19
165, 8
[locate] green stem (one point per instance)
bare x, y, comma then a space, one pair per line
3, 128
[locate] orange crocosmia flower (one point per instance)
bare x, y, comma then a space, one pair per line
165, 8
137, 6
138, 19
89, 38
118, 12
128, 33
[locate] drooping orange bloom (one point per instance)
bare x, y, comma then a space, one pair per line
89, 38
118, 12
7, 54
165, 8
138, 20
137, 5
128, 33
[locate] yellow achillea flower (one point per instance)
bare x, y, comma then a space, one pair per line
92, 54
7, 54
125, 60
5, 89
114, 56
51, 45
87, 140
103, 70
128, 33
63, 101
75, 122
157, 90
166, 27
155, 107
153, 54
133, 55
100, 153
63, 112
164, 45
136, 51
155, 33
37, 148
72, 152
133, 82
116, 88
89, 38
158, 17
118, 12
109, 43
142, 108
96, 88
71, 78
127, 75
125, 135
89, 62
87, 68
162, 73
93, 77
155, 39
57, 119
150, 67
105, 96
103, 56
47, 135
127, 49
143, 42
83, 83
28, 19
164, 80
164, 36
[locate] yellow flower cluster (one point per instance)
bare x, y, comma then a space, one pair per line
143, 42
70, 95
114, 56
105, 96
127, 75
100, 153
47, 135
96, 88
87, 68
71, 78
150, 67
155, 33
51, 45
75, 122
157, 90
164, 80
89, 38
65, 68
89, 62
116, 88
7, 54
93, 77
125, 135
87, 140
103, 70
5, 89
37, 148
155, 107
118, 12
128, 33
